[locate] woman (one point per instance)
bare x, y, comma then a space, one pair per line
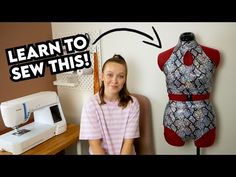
110, 118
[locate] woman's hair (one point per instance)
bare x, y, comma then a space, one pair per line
124, 93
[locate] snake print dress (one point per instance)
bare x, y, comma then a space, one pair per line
189, 119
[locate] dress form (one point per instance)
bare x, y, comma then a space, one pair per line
212, 54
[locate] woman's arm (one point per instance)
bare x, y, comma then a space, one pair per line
127, 147
96, 147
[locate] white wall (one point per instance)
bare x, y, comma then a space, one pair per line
145, 77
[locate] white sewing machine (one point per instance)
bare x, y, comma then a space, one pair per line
49, 121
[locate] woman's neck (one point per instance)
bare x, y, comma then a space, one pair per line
111, 97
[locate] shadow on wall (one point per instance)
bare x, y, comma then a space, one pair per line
144, 145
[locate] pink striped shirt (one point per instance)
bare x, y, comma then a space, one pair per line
110, 123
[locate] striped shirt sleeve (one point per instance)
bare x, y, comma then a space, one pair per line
89, 124
132, 127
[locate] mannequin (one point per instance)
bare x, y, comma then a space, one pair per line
189, 114
187, 36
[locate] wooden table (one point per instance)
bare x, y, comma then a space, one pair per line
55, 144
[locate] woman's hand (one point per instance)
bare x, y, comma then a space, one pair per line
127, 147
96, 147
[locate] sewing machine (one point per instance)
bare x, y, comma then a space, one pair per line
48, 121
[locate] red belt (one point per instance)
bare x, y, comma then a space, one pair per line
178, 97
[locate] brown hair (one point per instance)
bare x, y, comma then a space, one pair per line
124, 93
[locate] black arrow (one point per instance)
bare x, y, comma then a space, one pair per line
136, 31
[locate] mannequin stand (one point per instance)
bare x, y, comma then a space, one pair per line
198, 151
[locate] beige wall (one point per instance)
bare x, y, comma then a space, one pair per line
146, 78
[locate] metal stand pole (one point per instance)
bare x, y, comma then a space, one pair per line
198, 151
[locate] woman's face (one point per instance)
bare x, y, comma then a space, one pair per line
114, 77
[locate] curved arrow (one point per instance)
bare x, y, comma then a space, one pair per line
135, 31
